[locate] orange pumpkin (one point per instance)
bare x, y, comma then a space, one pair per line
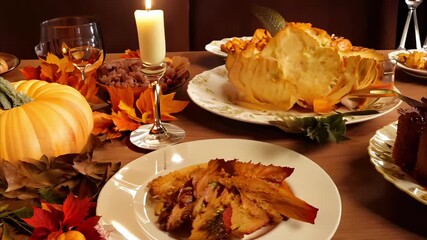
53, 120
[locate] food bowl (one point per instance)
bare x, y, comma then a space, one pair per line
126, 72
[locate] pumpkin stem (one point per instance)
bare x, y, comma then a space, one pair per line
9, 97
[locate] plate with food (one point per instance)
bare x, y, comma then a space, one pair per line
278, 176
215, 46
297, 72
212, 91
413, 61
8, 62
380, 149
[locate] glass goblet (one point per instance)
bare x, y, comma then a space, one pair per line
78, 37
159, 134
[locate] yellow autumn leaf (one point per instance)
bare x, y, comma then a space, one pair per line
167, 106
64, 64
102, 122
123, 122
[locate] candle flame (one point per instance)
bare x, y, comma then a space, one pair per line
147, 4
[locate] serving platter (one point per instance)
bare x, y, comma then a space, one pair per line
127, 209
11, 60
215, 46
393, 56
212, 91
380, 150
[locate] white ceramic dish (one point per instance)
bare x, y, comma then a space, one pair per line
212, 91
215, 46
380, 149
125, 206
11, 60
393, 56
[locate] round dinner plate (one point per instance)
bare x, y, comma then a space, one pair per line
126, 208
380, 150
212, 91
215, 46
11, 60
393, 56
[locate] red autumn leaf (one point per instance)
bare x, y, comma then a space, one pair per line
31, 72
75, 210
88, 228
42, 234
43, 219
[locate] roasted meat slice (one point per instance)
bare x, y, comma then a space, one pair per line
202, 179
208, 223
164, 186
272, 197
247, 217
269, 173
182, 211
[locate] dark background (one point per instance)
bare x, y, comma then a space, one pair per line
191, 24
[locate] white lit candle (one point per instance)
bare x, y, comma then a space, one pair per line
151, 34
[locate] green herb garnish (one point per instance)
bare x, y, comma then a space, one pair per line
323, 129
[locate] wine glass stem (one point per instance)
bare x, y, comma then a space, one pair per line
405, 29
157, 126
83, 74
417, 31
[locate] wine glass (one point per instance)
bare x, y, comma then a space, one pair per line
78, 37
412, 12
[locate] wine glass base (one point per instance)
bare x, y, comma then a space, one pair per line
142, 139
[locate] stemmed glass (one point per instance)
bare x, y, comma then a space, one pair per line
159, 134
151, 37
79, 38
412, 12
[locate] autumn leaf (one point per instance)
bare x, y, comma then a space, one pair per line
118, 95
167, 106
43, 219
88, 228
123, 122
75, 210
31, 72
75, 214
64, 64
102, 122
62, 71
130, 54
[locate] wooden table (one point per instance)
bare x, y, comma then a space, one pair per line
372, 208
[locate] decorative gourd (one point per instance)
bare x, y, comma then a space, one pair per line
42, 118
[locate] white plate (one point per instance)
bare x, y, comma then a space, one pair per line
380, 149
211, 90
11, 60
124, 205
393, 56
215, 46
